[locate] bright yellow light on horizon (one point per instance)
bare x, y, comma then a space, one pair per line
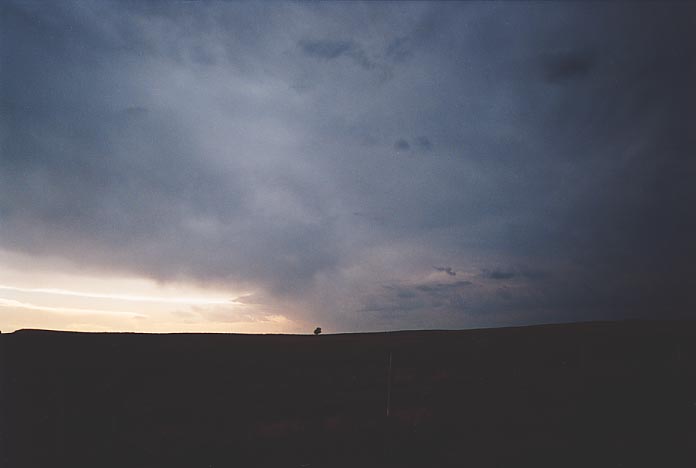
45, 298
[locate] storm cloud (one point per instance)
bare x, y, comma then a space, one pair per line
253, 146
447, 270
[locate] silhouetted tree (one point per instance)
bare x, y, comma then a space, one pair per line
317, 330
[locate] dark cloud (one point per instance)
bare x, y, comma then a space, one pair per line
402, 145
447, 270
330, 49
424, 143
240, 145
560, 67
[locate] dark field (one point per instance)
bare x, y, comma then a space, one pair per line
578, 395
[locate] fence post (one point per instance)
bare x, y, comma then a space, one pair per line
389, 372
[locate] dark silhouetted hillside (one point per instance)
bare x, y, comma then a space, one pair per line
576, 395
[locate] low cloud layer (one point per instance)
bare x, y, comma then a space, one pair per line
325, 157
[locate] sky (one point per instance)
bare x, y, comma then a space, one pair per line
270, 167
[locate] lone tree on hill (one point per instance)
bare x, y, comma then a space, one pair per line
317, 330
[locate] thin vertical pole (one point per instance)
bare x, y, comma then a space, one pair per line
389, 372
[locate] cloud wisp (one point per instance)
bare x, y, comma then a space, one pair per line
120, 297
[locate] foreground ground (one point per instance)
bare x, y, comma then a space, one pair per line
577, 395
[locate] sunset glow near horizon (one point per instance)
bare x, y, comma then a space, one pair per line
126, 304
274, 167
